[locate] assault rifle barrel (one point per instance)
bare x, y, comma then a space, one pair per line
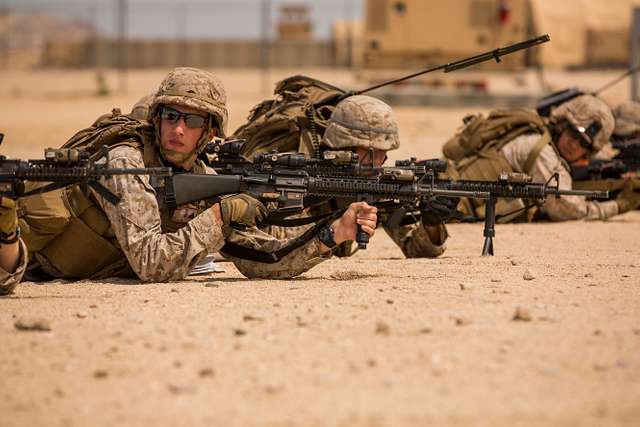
463, 63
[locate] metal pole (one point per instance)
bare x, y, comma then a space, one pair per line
349, 21
635, 53
265, 55
181, 34
5, 44
122, 44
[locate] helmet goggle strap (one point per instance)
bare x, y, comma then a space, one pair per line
368, 158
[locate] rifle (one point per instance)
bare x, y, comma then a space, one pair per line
495, 54
61, 167
554, 99
290, 182
610, 174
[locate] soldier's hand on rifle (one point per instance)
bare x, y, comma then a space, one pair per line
359, 213
8, 219
242, 209
9, 249
628, 199
438, 210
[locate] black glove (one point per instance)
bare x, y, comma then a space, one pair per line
438, 210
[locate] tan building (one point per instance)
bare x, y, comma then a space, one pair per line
294, 22
412, 32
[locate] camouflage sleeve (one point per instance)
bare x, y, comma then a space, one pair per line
271, 239
548, 162
153, 255
415, 242
9, 281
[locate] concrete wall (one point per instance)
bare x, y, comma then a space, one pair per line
205, 53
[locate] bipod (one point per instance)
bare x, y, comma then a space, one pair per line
489, 226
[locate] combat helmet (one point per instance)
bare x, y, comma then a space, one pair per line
627, 116
195, 88
588, 115
362, 121
140, 109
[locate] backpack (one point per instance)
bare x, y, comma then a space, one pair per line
294, 120
109, 130
474, 151
493, 132
65, 225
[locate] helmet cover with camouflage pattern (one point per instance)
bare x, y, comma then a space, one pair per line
582, 112
627, 116
195, 88
140, 109
362, 121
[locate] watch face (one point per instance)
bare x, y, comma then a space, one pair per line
326, 236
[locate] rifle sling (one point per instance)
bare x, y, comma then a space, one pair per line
544, 140
250, 254
283, 221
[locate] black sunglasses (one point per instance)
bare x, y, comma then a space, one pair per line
586, 136
191, 120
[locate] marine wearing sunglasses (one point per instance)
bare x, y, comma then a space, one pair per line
191, 120
181, 128
576, 143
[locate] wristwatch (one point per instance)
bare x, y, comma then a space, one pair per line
326, 236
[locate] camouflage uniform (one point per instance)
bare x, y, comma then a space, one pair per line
140, 109
159, 244
363, 121
156, 255
627, 117
580, 112
549, 162
9, 281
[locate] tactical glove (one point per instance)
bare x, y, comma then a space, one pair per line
242, 209
628, 199
439, 210
8, 219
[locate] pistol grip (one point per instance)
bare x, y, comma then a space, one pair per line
362, 238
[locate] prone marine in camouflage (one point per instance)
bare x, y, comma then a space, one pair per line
367, 126
72, 235
627, 117
627, 127
577, 129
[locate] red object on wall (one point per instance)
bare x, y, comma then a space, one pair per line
504, 11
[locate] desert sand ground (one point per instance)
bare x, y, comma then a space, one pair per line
374, 340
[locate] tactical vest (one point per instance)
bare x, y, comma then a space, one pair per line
66, 231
